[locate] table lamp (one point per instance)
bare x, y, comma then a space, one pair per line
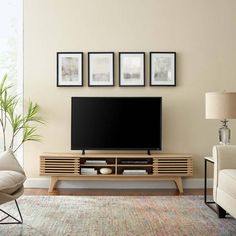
222, 106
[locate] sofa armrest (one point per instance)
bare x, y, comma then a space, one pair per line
224, 157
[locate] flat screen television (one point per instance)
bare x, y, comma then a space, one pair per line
116, 123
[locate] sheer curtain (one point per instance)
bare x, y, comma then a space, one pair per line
11, 51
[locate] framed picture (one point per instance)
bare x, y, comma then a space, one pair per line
132, 69
162, 69
69, 69
100, 69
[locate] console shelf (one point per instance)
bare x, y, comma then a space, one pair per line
125, 167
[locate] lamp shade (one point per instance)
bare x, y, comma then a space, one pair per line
220, 105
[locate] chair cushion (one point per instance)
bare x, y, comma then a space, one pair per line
9, 162
11, 181
227, 181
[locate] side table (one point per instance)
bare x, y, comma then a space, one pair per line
208, 203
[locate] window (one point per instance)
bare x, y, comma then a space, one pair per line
11, 50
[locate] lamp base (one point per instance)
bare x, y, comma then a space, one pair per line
224, 133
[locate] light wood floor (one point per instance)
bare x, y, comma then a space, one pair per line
115, 192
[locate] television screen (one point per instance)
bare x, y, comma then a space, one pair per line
116, 123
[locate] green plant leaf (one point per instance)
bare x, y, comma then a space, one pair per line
29, 134
8, 108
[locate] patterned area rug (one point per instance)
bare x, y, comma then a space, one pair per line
116, 216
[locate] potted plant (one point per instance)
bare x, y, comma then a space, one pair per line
10, 118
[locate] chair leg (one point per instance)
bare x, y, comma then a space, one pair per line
16, 221
221, 212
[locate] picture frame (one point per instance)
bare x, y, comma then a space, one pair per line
100, 69
69, 69
132, 69
162, 68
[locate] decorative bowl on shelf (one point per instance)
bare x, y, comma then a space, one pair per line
105, 171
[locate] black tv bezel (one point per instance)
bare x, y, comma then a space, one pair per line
120, 149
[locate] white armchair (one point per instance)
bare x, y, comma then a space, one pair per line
224, 189
12, 178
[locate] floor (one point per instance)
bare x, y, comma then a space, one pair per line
115, 192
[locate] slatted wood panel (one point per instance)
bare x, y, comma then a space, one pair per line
59, 166
173, 166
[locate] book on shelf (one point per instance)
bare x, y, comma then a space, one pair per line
96, 162
88, 171
134, 162
135, 172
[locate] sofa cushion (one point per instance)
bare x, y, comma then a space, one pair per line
227, 181
11, 181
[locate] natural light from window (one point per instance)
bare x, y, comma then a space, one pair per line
11, 51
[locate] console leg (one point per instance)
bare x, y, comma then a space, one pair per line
179, 184
221, 212
53, 183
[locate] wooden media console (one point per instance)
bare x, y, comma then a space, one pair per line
123, 167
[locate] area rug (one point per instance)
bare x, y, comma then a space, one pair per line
116, 216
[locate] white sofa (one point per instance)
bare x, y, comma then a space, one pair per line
224, 189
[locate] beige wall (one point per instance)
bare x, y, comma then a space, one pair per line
203, 33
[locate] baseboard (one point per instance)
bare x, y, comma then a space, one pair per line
190, 183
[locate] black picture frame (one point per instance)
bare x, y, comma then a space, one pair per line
60, 82
112, 73
121, 84
172, 57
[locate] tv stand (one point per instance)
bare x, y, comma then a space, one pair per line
83, 152
124, 167
148, 152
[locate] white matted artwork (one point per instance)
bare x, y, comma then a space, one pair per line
69, 69
101, 69
162, 69
132, 69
